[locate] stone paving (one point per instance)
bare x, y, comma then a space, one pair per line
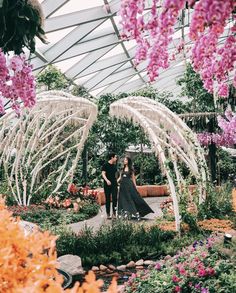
100, 218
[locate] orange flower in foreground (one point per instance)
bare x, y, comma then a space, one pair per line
28, 262
113, 288
91, 285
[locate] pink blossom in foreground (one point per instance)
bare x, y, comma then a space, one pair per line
17, 82
213, 61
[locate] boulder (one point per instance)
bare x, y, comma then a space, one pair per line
102, 268
111, 267
139, 262
95, 269
71, 264
131, 264
121, 268
139, 267
148, 262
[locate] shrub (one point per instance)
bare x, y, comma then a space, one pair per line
116, 243
218, 203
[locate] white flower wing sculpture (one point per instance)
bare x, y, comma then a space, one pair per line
41, 149
171, 139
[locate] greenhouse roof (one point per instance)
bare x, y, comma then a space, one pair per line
84, 42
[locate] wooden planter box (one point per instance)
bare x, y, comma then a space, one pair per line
144, 191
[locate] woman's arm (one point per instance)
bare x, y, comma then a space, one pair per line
119, 178
134, 179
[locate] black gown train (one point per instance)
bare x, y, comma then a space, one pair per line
129, 200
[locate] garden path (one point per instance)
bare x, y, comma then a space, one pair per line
100, 218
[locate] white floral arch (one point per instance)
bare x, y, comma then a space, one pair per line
29, 145
171, 139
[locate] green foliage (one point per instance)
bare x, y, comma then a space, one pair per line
68, 239
52, 78
225, 165
166, 98
218, 203
20, 22
150, 165
81, 91
53, 217
192, 87
120, 242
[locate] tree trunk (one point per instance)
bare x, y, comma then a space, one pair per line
85, 164
212, 153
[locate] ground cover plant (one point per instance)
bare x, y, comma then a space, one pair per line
206, 266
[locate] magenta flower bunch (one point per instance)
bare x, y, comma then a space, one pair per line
227, 137
154, 33
17, 83
213, 62
190, 270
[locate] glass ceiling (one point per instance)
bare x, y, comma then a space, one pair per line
84, 43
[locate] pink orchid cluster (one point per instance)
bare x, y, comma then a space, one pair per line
17, 82
159, 28
153, 35
211, 61
228, 135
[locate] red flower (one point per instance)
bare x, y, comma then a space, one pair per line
66, 203
177, 289
72, 188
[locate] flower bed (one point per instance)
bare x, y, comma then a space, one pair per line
198, 268
213, 225
46, 217
216, 225
77, 205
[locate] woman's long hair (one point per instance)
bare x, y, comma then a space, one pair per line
130, 166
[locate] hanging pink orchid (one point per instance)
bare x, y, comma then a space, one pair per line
153, 35
227, 137
17, 83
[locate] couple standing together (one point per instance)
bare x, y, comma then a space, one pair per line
129, 200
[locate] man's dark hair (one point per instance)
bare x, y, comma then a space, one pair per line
111, 155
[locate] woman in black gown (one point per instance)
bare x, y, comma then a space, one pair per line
129, 200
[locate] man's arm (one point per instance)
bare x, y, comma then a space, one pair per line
105, 178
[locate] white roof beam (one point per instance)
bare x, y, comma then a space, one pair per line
169, 80
111, 78
98, 79
66, 43
106, 63
75, 18
50, 7
130, 86
115, 85
89, 59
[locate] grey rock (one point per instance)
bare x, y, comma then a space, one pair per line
71, 264
121, 268
111, 267
148, 262
102, 268
131, 264
95, 269
139, 262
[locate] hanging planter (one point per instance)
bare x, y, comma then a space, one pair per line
20, 22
